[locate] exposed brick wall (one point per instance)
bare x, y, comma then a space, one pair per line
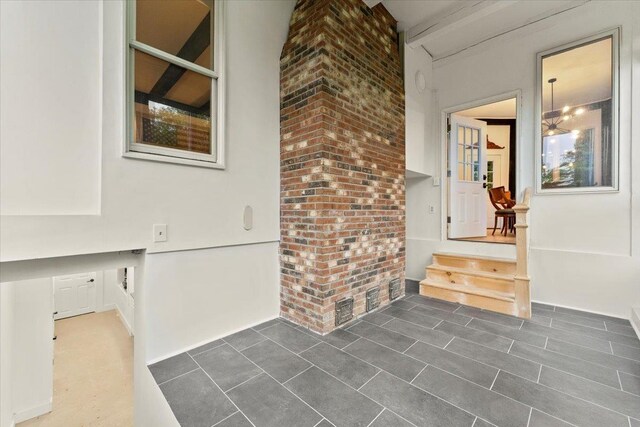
342, 159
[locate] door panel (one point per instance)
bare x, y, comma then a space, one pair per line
74, 295
467, 157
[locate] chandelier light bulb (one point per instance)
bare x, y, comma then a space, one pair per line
565, 109
579, 111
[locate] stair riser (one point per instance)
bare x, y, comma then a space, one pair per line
471, 280
486, 303
491, 266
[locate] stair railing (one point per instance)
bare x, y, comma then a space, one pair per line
522, 279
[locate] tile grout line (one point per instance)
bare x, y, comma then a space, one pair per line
245, 381
598, 405
379, 413
450, 341
226, 418
221, 390
474, 422
367, 382
269, 375
619, 380
494, 380
408, 348
418, 374
546, 342
408, 321
299, 373
209, 349
530, 412
178, 376
539, 373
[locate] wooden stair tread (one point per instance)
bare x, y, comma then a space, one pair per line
475, 257
477, 273
503, 296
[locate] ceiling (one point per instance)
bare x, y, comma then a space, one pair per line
181, 28
583, 75
498, 110
444, 28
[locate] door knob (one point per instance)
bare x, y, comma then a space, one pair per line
484, 185
91, 281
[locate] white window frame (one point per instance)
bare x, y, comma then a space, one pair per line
131, 149
615, 109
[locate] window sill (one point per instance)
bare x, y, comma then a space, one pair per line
174, 160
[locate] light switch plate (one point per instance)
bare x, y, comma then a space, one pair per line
159, 232
436, 181
432, 209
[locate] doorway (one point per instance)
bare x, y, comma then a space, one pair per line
481, 171
91, 379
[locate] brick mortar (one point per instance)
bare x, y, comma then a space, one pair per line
342, 159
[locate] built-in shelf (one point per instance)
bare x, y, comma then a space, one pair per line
410, 174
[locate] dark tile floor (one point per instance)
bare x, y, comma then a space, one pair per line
419, 362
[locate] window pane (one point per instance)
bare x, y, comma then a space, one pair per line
178, 116
183, 28
467, 172
577, 126
460, 171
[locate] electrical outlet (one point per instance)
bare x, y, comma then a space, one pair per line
159, 232
436, 181
432, 209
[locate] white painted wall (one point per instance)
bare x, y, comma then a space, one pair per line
202, 207
50, 109
418, 110
585, 249
6, 353
32, 366
229, 286
195, 297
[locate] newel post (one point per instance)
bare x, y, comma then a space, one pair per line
522, 279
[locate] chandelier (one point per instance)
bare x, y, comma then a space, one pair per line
552, 119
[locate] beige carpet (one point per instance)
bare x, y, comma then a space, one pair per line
92, 375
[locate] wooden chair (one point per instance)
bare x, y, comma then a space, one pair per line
504, 210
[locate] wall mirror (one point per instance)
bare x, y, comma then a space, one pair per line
577, 107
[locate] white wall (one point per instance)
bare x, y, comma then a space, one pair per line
231, 285
195, 297
585, 249
6, 353
50, 109
32, 366
202, 207
418, 110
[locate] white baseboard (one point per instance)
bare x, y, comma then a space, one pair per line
635, 319
32, 413
123, 319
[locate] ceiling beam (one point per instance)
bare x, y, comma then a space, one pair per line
372, 3
441, 26
563, 7
190, 51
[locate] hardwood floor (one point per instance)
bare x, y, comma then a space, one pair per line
92, 375
509, 239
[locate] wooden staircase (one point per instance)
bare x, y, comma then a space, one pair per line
495, 284
472, 280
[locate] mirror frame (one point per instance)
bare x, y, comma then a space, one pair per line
615, 106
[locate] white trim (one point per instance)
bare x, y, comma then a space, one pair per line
32, 412
130, 149
635, 319
123, 319
615, 115
444, 183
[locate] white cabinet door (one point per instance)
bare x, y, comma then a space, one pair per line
74, 294
467, 163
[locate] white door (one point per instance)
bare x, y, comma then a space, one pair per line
467, 163
74, 294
